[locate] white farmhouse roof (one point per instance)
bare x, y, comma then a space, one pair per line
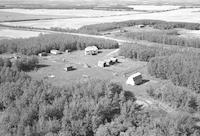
91, 48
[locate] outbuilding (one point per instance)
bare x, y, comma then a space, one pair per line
101, 64
134, 79
42, 54
55, 52
91, 50
68, 67
114, 60
108, 62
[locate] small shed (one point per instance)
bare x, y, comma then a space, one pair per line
91, 50
101, 64
68, 67
134, 79
55, 52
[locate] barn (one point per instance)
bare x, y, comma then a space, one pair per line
91, 50
134, 79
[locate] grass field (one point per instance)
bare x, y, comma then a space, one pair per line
181, 15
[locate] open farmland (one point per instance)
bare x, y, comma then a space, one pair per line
14, 16
69, 12
180, 15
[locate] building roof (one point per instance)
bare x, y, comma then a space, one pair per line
91, 48
135, 75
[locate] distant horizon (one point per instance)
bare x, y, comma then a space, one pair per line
100, 2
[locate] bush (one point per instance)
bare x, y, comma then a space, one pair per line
26, 63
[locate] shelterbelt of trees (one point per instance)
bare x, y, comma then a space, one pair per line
93, 108
44, 43
96, 28
164, 38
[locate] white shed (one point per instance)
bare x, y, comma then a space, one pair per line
134, 79
55, 52
91, 50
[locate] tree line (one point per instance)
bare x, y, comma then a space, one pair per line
164, 38
45, 43
145, 53
158, 24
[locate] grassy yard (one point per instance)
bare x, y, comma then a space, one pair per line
52, 70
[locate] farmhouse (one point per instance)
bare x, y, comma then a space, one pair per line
134, 79
55, 52
102, 64
91, 50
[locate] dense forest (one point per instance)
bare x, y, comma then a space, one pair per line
92, 108
44, 43
165, 38
181, 69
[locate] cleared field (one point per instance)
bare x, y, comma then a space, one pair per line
12, 33
181, 15
154, 7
